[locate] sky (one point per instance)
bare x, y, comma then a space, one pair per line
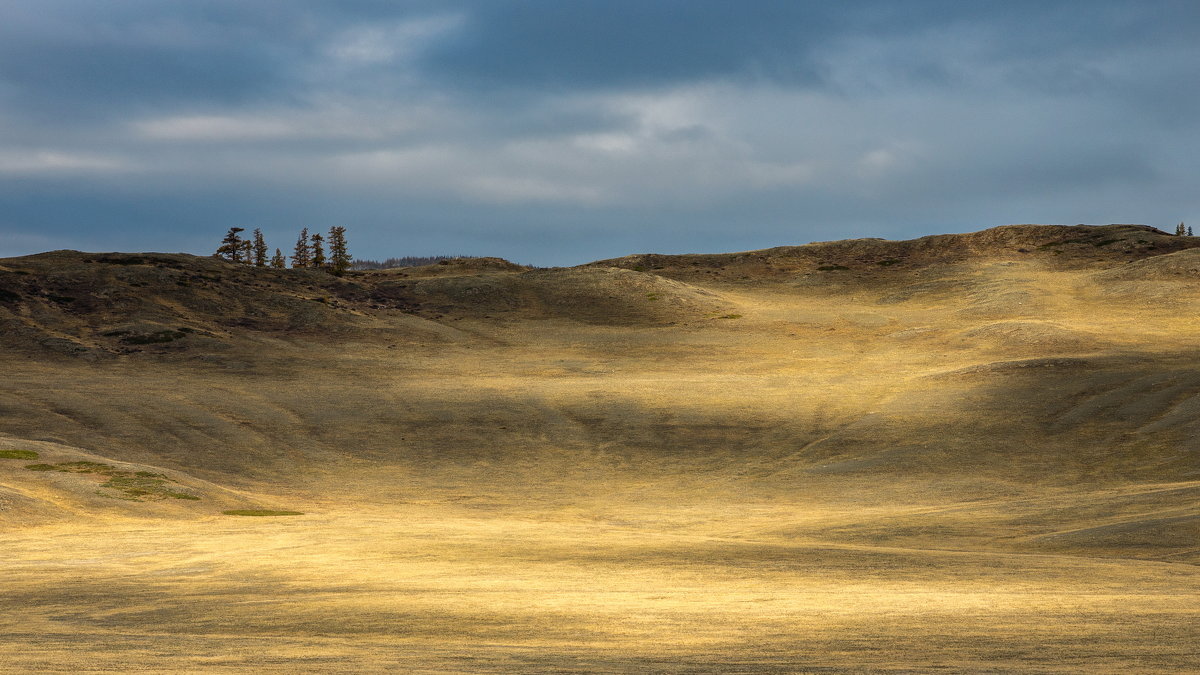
555, 132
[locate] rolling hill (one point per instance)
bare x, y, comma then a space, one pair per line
971, 451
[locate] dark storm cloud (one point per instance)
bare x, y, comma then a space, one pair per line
559, 131
616, 43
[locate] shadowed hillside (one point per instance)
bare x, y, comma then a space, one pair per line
979, 449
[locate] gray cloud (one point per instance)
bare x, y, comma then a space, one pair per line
556, 132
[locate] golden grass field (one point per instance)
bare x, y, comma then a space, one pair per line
981, 456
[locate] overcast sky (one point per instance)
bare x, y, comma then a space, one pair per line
555, 132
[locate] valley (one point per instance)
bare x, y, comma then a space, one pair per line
963, 453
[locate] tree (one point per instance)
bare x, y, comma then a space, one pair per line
1180, 230
277, 261
318, 252
339, 256
1189, 230
302, 256
260, 249
247, 252
231, 246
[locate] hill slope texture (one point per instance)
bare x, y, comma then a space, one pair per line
973, 453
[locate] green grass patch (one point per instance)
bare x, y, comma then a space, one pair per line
134, 486
86, 467
18, 454
261, 512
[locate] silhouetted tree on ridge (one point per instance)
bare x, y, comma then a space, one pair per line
339, 255
231, 247
260, 249
318, 251
309, 252
301, 256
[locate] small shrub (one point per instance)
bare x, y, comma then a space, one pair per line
832, 268
730, 316
888, 263
8, 296
1106, 242
260, 512
18, 454
41, 467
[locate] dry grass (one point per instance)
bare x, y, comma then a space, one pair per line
981, 465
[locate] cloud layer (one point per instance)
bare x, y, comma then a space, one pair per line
558, 132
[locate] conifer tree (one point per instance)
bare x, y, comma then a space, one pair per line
231, 245
302, 256
247, 252
318, 251
260, 249
1179, 231
1189, 230
277, 260
339, 255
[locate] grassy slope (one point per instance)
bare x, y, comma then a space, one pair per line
951, 460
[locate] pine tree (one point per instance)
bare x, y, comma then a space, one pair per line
247, 252
339, 255
1179, 231
1189, 230
277, 261
231, 245
260, 249
302, 256
318, 251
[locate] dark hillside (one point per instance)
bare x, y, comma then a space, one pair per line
1058, 246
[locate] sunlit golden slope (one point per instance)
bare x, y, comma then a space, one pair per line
967, 451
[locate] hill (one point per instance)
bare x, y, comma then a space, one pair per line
973, 451
1060, 246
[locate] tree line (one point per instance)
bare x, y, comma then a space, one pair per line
309, 252
405, 261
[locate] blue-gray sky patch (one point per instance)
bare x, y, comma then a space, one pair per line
558, 132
